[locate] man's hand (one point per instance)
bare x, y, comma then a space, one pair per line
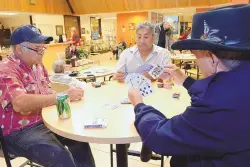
145, 74
119, 76
75, 94
176, 73
134, 96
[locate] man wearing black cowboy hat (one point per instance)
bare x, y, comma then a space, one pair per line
215, 129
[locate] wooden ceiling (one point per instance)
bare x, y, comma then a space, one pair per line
101, 6
106, 6
41, 6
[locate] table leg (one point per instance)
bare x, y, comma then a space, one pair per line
122, 155
181, 63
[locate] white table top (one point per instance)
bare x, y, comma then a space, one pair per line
120, 129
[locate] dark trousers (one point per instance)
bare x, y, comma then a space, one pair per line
178, 161
40, 145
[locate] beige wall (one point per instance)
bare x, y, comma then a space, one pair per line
186, 18
47, 23
85, 23
14, 21
108, 26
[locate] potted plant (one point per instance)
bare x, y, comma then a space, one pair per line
83, 53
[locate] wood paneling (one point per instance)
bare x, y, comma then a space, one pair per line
240, 1
41, 6
202, 9
102, 6
105, 6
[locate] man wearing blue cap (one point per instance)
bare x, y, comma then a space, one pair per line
24, 92
214, 130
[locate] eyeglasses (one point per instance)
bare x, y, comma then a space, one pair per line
40, 50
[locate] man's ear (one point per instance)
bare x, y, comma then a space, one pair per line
214, 59
19, 49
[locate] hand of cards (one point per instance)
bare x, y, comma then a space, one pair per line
155, 71
137, 81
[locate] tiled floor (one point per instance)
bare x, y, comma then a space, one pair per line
102, 158
100, 151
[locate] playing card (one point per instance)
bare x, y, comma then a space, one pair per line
133, 80
144, 68
111, 106
125, 101
156, 71
144, 79
146, 89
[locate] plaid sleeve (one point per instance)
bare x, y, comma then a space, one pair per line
10, 88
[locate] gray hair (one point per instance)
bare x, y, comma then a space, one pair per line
58, 66
22, 45
231, 64
147, 25
231, 59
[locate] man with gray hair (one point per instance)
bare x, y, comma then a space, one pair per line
143, 53
59, 76
24, 92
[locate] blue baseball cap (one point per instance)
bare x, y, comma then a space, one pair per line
28, 33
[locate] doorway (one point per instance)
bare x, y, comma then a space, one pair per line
69, 22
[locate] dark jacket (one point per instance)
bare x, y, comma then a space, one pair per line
214, 131
168, 36
69, 54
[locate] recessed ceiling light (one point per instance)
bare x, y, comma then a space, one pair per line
180, 13
7, 13
181, 8
109, 18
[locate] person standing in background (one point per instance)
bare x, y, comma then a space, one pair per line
164, 34
185, 35
75, 38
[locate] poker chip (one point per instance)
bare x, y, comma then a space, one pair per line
160, 85
176, 95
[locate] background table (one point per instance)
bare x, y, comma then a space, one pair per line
97, 72
120, 129
185, 58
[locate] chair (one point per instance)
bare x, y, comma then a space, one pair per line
59, 87
4, 153
192, 71
137, 154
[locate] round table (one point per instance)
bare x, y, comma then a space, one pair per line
120, 129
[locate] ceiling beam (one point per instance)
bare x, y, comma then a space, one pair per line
70, 7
